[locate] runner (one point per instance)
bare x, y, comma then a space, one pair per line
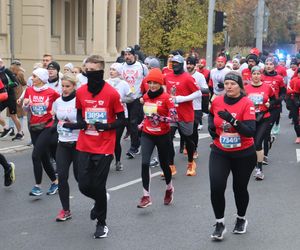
159, 111
252, 60
66, 153
54, 82
294, 91
232, 126
98, 104
262, 97
39, 99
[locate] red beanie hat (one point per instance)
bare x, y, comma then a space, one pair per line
155, 75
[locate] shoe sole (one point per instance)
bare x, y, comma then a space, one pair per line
52, 193
259, 178
149, 204
216, 238
129, 156
32, 194
102, 236
64, 219
241, 232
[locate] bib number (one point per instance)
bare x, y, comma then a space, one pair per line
63, 131
150, 108
93, 115
230, 140
38, 109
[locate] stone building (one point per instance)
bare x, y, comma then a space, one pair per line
68, 29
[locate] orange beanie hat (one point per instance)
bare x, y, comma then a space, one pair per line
155, 75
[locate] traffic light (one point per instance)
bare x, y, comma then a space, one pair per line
220, 21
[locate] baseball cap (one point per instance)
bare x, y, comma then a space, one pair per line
178, 58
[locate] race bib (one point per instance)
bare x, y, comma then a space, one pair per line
63, 131
230, 140
93, 115
38, 109
150, 108
257, 99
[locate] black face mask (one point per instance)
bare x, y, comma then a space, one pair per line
178, 68
95, 81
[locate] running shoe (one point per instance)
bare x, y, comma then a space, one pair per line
36, 191
52, 189
19, 136
154, 163
101, 231
169, 196
145, 202
195, 155
12, 133
191, 169
265, 160
240, 226
131, 153
200, 127
63, 215
9, 176
219, 232
275, 129
119, 166
297, 141
6, 132
259, 175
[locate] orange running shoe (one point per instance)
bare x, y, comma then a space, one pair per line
173, 171
191, 168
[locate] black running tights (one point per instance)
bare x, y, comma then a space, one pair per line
4, 163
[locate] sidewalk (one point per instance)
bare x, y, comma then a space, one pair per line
9, 146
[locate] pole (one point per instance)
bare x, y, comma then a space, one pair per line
210, 34
260, 24
11, 30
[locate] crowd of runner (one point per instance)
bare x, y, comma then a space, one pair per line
77, 117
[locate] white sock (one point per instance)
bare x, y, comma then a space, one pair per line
241, 217
146, 193
220, 220
170, 185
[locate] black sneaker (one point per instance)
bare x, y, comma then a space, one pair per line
101, 231
132, 152
5, 132
9, 176
219, 232
119, 166
12, 133
240, 226
19, 136
154, 163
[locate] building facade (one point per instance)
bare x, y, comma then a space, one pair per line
68, 29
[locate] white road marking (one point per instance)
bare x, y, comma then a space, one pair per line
298, 154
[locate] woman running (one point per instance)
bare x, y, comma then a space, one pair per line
159, 111
39, 99
68, 131
262, 97
231, 124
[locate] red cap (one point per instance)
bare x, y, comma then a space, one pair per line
202, 61
155, 75
221, 58
255, 51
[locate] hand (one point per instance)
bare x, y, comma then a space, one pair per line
267, 104
26, 102
225, 115
101, 126
140, 126
221, 85
142, 100
19, 101
68, 125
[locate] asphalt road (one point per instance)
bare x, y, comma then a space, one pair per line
273, 212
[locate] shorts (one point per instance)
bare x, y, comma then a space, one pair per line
186, 128
10, 103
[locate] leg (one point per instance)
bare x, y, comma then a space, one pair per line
171, 146
135, 111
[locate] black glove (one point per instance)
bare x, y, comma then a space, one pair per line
221, 85
101, 126
225, 115
212, 133
70, 125
82, 125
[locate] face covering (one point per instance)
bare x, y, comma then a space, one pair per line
95, 81
178, 68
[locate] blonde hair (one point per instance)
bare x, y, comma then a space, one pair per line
69, 76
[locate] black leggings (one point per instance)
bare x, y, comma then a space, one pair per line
66, 154
294, 111
93, 170
261, 132
4, 163
44, 141
189, 143
148, 142
118, 148
275, 113
219, 168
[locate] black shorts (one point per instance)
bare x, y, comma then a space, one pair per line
10, 103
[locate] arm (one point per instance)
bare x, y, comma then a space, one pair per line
194, 95
120, 121
245, 128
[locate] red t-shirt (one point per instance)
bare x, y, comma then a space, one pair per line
166, 70
101, 108
295, 85
260, 95
206, 73
276, 83
161, 106
247, 76
183, 85
229, 139
40, 104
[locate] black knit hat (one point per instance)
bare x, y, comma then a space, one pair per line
235, 76
191, 60
54, 65
253, 57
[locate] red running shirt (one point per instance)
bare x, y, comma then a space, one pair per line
229, 139
40, 104
295, 85
259, 95
182, 85
276, 83
101, 108
247, 76
160, 106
